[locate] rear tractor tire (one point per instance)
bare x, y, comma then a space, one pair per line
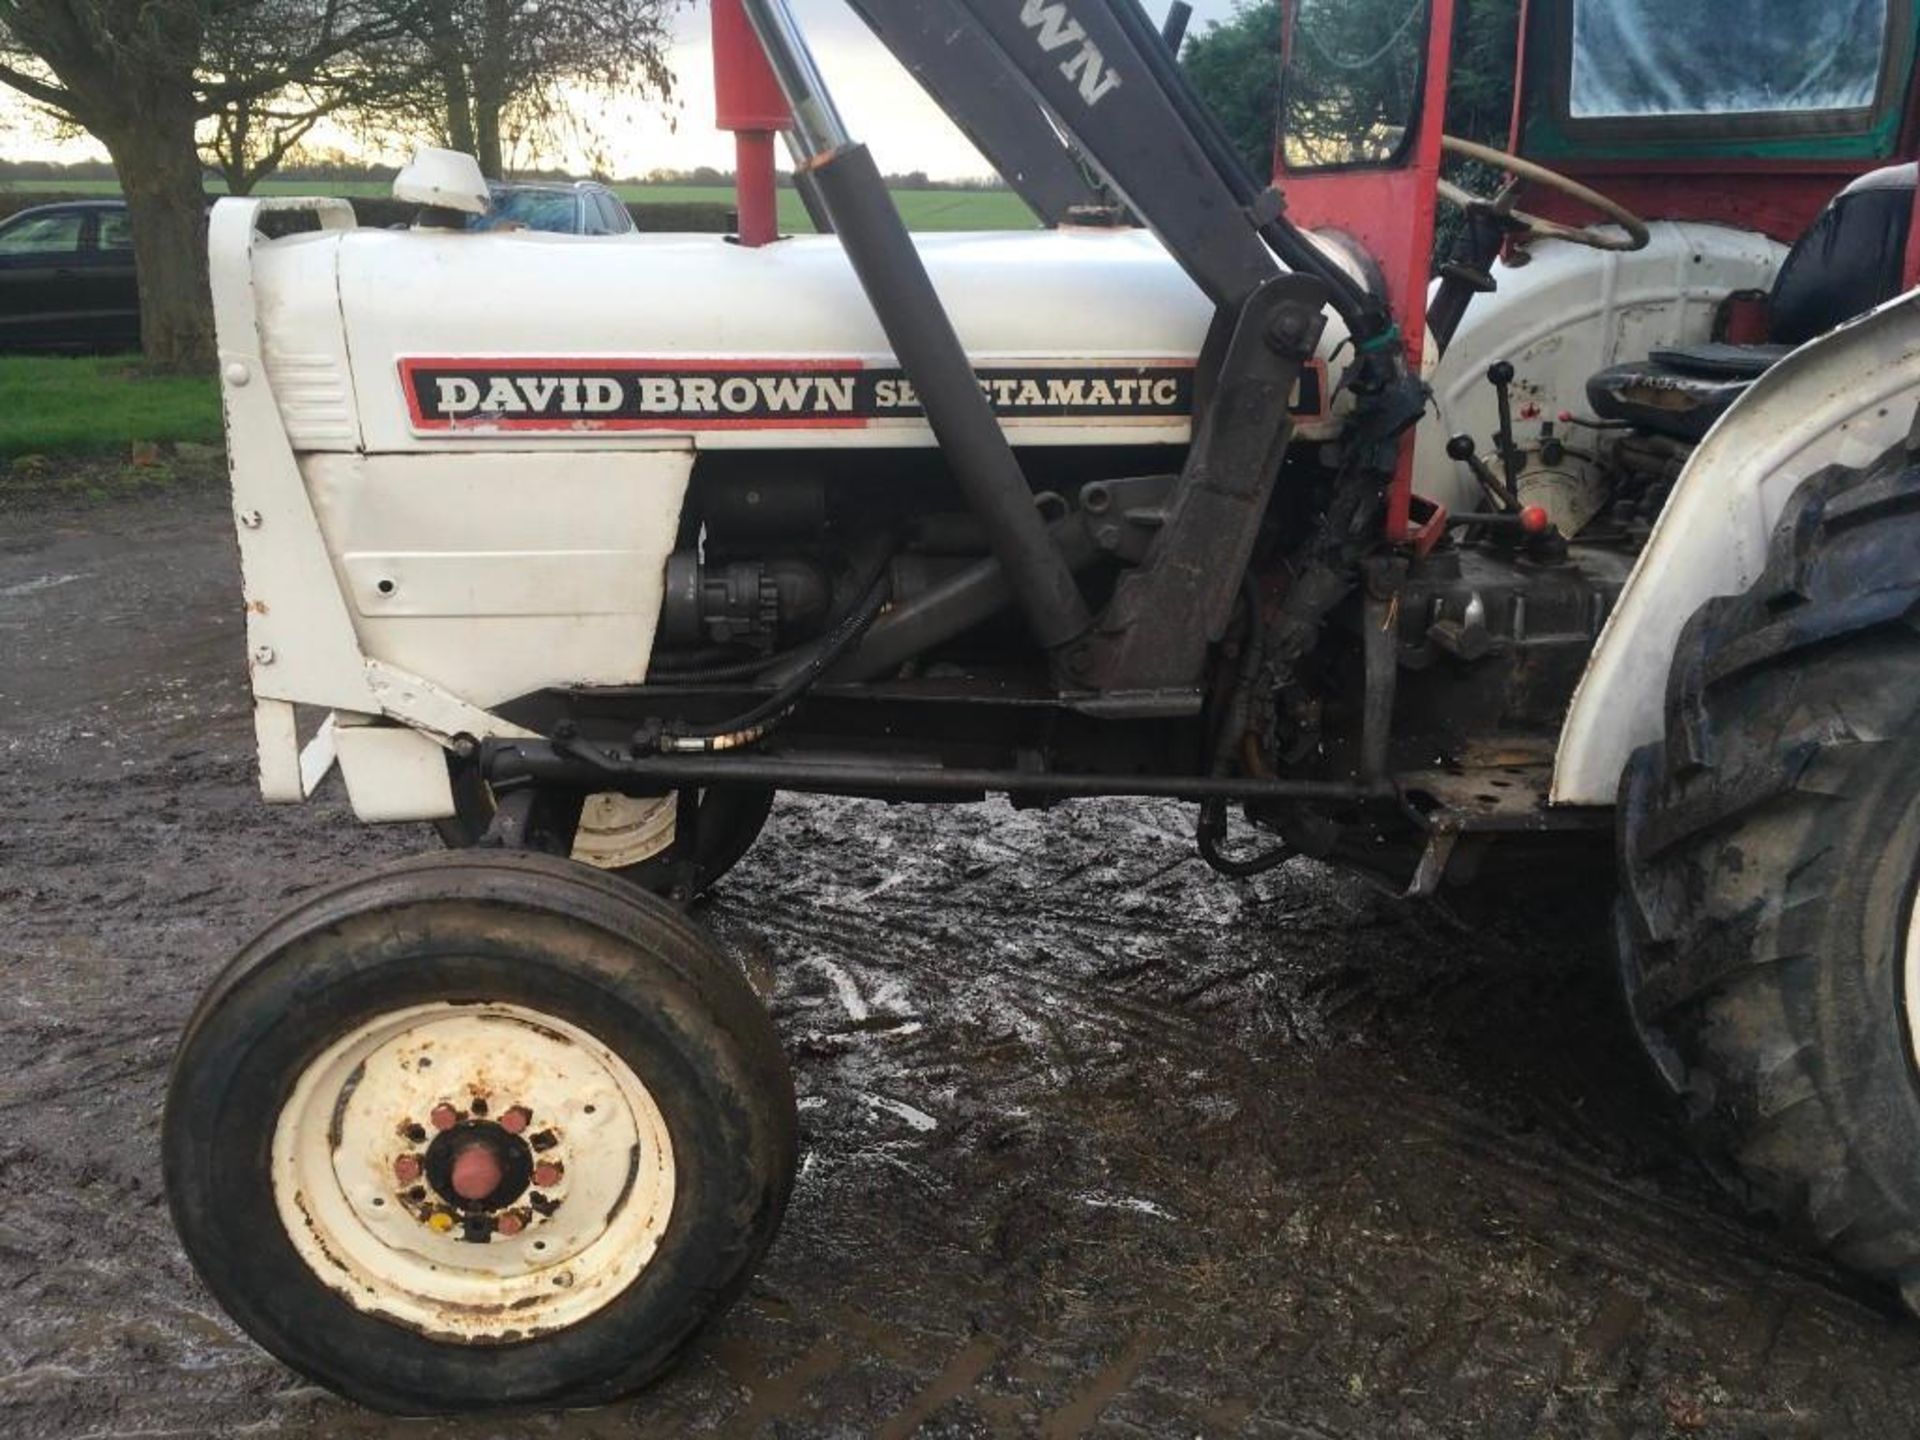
481, 1130
1770, 851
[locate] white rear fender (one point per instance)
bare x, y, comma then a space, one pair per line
1841, 399
1567, 313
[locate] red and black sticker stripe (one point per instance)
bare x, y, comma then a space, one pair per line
589, 395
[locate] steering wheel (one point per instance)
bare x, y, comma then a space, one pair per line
1530, 227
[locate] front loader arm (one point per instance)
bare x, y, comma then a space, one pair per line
987, 100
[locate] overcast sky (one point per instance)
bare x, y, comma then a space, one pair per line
878, 100
880, 104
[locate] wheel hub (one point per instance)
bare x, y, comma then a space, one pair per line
480, 1170
477, 1166
471, 1179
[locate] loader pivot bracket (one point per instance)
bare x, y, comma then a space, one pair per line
1154, 633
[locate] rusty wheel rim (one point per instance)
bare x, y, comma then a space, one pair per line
486, 1173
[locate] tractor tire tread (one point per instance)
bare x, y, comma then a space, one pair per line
1788, 707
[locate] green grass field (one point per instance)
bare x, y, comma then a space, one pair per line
922, 209
99, 405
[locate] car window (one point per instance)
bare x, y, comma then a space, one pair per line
613, 215
115, 233
551, 210
55, 234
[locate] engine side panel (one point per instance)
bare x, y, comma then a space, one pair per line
460, 342
493, 575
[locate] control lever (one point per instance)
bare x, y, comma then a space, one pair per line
1532, 521
1530, 530
1462, 449
1500, 376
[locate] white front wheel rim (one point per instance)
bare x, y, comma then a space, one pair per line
1911, 971
386, 1126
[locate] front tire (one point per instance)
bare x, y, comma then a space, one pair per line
482, 1130
1770, 855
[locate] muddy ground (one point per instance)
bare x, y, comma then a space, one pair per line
1094, 1143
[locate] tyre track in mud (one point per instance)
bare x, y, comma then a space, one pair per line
1093, 1142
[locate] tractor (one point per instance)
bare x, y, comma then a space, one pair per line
1603, 529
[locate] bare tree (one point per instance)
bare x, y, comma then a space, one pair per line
140, 75
253, 136
502, 70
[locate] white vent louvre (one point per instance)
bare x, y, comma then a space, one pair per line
316, 399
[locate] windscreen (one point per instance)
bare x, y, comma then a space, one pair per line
1693, 57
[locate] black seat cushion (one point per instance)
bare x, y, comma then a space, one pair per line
1664, 399
1718, 359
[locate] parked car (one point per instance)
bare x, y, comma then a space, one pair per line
579, 207
66, 278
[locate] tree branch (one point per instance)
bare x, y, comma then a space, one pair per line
52, 96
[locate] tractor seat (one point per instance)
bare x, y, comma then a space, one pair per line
1850, 260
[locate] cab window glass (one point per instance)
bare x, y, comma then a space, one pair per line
1634, 58
43, 235
1352, 83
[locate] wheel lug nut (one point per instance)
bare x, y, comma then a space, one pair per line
407, 1169
546, 1174
444, 1117
516, 1119
510, 1224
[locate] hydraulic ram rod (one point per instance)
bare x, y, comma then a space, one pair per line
923, 339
